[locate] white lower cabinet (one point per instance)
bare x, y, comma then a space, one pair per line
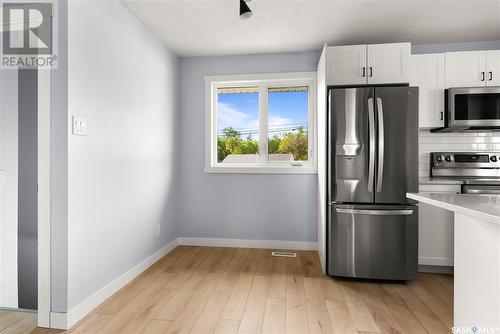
435, 229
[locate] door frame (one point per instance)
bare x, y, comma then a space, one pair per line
44, 197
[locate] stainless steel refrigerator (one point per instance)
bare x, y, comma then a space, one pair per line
372, 164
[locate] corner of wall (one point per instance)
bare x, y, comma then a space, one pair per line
59, 162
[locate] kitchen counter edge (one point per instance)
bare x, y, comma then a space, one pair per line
483, 207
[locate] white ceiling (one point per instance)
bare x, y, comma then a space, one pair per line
212, 27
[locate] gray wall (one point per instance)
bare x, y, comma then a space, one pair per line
451, 47
27, 259
242, 206
122, 176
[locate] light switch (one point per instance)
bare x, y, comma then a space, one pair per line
79, 126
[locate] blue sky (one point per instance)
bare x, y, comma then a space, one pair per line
241, 111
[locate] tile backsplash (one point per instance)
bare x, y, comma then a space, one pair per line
454, 142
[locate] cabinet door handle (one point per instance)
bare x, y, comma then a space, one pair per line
482, 76
364, 71
371, 71
442, 114
490, 74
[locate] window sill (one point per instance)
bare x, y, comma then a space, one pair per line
261, 170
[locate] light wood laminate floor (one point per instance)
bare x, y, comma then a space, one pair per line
17, 322
235, 290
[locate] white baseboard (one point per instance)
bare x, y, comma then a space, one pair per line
435, 261
244, 243
59, 320
67, 320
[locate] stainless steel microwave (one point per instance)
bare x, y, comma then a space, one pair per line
472, 108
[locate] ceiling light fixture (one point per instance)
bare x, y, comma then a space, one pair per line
245, 11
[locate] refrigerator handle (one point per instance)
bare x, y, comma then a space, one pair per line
406, 212
380, 174
371, 162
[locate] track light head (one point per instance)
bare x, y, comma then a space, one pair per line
245, 11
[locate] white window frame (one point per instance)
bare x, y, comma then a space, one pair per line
263, 81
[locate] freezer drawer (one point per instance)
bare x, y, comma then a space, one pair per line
373, 241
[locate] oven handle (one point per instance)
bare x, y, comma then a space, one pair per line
479, 190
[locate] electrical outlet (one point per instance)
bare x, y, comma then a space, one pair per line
157, 231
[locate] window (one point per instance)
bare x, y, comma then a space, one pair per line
260, 123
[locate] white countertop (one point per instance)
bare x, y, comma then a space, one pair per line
483, 207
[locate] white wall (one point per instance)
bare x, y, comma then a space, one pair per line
240, 206
9, 192
121, 177
321, 106
59, 167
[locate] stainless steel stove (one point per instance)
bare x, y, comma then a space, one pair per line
478, 171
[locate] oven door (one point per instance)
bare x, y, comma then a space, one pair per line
474, 107
477, 189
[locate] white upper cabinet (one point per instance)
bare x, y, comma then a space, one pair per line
368, 64
493, 68
346, 65
427, 73
388, 63
465, 69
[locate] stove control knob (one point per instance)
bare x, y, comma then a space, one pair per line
448, 158
439, 158
493, 158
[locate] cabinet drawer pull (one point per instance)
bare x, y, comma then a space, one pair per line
442, 115
371, 71
482, 76
490, 75
364, 71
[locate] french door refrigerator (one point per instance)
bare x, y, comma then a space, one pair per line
372, 164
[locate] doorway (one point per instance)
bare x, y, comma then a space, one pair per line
25, 193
